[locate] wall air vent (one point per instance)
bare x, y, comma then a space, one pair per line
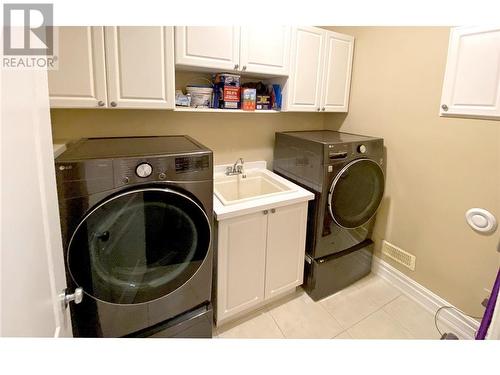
399, 255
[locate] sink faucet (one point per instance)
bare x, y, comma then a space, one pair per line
237, 169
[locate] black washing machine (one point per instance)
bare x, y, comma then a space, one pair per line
136, 218
345, 173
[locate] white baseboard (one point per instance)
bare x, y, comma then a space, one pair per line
463, 326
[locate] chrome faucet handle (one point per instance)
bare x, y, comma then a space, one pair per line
229, 170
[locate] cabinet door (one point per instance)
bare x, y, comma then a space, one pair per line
303, 90
140, 66
241, 256
80, 80
339, 49
265, 50
286, 240
212, 47
472, 79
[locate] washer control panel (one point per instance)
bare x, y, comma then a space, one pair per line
143, 170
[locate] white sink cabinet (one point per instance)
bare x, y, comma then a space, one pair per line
260, 248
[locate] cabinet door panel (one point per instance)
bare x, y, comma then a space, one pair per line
213, 47
265, 50
472, 79
286, 238
80, 80
240, 263
140, 67
337, 72
303, 89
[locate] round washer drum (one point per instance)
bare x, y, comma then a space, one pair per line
356, 193
139, 246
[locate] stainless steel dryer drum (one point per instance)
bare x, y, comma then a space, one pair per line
136, 218
346, 174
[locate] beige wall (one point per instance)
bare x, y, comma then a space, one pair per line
437, 168
229, 135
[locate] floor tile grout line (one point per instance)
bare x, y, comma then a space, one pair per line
275, 322
399, 322
329, 313
359, 321
392, 318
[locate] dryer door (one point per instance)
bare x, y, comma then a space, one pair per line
356, 193
139, 246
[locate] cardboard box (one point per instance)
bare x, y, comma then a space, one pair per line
227, 91
263, 102
248, 99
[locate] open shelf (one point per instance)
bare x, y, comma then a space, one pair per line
218, 110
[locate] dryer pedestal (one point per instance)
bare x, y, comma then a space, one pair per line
330, 274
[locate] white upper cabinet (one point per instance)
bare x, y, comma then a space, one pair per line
265, 49
140, 67
252, 49
213, 47
320, 76
80, 80
472, 79
124, 67
336, 81
304, 84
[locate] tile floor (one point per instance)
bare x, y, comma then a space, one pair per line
368, 309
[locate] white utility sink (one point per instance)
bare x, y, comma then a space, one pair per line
257, 184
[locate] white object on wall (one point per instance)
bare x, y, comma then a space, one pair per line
245, 49
108, 67
481, 220
320, 74
471, 86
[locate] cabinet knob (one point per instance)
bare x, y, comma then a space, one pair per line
244, 67
265, 212
100, 103
318, 109
323, 109
236, 66
273, 210
113, 104
444, 107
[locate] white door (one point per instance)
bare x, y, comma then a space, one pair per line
32, 266
80, 80
472, 79
211, 47
286, 239
339, 50
140, 66
265, 50
303, 90
241, 256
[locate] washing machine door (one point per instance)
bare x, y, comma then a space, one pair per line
356, 193
139, 246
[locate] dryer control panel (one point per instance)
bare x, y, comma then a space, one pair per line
172, 168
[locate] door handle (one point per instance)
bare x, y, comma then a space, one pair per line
76, 297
